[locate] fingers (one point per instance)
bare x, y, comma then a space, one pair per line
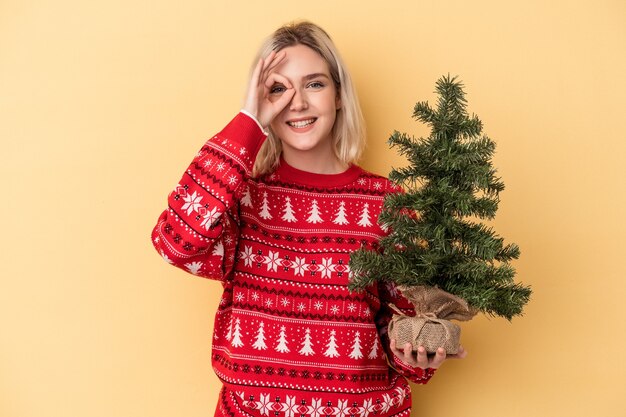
402, 353
395, 349
270, 63
265, 63
438, 359
273, 60
253, 86
392, 344
263, 77
421, 358
271, 104
256, 74
408, 355
274, 78
263, 68
460, 354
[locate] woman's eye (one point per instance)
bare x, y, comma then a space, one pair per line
316, 84
277, 89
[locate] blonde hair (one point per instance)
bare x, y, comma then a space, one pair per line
349, 128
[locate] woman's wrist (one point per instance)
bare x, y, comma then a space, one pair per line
250, 115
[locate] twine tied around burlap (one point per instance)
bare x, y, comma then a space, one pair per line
431, 327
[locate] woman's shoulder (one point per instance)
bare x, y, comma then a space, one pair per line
376, 183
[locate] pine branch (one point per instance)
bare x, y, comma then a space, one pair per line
449, 178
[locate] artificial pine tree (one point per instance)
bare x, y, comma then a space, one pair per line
435, 241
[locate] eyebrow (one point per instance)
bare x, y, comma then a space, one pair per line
317, 74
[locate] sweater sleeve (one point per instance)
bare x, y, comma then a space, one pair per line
389, 294
198, 231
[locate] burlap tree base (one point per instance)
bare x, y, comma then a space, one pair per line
431, 327
432, 333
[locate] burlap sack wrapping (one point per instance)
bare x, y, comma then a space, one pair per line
430, 327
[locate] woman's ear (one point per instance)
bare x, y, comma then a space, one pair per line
337, 102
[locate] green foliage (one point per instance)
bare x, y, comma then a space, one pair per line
433, 241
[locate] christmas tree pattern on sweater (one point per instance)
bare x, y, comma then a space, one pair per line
287, 328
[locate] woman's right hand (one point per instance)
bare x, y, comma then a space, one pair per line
258, 101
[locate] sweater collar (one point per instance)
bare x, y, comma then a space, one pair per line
289, 174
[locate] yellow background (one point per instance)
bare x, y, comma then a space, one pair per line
103, 105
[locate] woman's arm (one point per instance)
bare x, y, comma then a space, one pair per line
198, 230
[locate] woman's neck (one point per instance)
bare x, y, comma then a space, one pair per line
310, 162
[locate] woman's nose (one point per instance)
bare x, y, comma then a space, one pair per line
298, 101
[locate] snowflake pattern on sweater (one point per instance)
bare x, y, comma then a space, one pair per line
289, 339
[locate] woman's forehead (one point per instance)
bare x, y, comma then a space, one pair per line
302, 62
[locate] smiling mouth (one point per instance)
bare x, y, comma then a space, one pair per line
302, 123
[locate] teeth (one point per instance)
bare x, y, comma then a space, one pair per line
301, 123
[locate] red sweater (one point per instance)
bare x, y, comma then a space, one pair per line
290, 340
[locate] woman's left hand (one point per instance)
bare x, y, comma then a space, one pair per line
420, 359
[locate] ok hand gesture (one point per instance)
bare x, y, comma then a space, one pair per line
259, 100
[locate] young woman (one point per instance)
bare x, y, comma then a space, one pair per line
272, 206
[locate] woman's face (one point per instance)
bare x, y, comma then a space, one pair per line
306, 123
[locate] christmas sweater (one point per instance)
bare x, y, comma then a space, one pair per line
290, 339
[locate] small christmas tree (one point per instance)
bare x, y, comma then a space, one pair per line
282, 341
331, 347
260, 338
314, 213
236, 342
365, 216
356, 347
288, 211
265, 208
434, 240
374, 352
340, 217
307, 344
